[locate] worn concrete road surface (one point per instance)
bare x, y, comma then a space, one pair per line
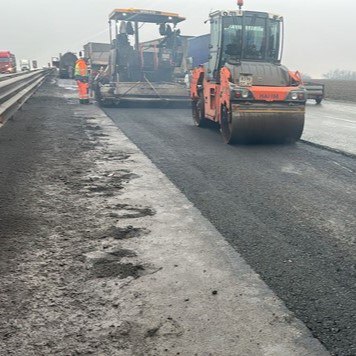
101, 254
289, 210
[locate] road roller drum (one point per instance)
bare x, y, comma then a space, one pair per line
260, 124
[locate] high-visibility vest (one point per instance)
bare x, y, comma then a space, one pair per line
81, 68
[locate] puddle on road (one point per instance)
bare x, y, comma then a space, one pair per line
72, 101
108, 264
93, 128
121, 253
131, 212
108, 182
99, 134
117, 156
107, 269
125, 233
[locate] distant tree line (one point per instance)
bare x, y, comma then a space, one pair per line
340, 74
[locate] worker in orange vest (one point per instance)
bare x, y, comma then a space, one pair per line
82, 77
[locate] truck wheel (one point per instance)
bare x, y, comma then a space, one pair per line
318, 101
198, 112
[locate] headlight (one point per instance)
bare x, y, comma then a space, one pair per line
242, 94
245, 94
297, 96
294, 96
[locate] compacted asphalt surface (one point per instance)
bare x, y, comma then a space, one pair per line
289, 210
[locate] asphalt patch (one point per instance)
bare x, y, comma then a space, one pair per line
124, 233
109, 269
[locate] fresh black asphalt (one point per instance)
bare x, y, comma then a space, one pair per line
288, 210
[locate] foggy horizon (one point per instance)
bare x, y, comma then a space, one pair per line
315, 33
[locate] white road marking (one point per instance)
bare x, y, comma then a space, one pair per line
340, 165
290, 169
352, 122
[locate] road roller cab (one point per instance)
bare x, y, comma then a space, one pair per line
243, 86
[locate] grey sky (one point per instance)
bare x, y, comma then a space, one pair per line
319, 33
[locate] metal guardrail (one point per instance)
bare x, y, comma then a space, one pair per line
12, 75
16, 89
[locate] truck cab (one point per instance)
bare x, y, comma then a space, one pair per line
7, 62
25, 65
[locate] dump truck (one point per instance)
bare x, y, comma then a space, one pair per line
244, 87
141, 72
25, 65
67, 65
55, 62
97, 55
